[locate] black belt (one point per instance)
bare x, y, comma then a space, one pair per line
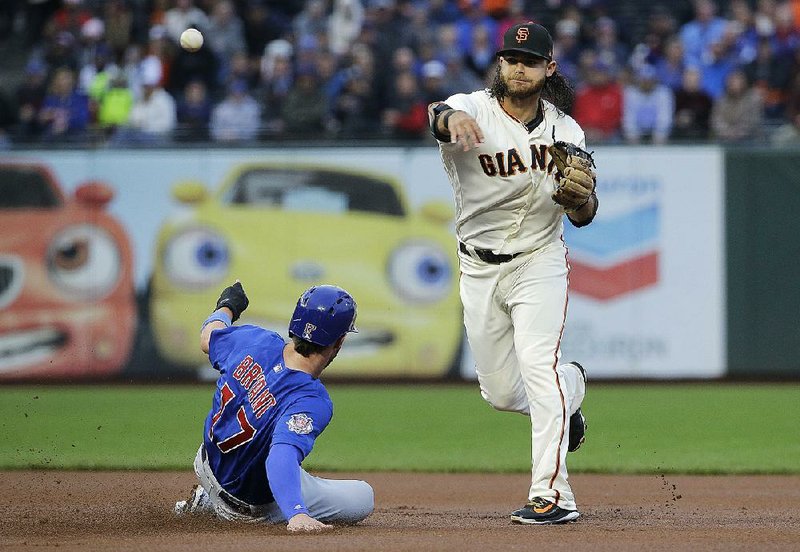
234, 503
488, 256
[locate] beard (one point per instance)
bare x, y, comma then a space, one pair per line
518, 91
523, 90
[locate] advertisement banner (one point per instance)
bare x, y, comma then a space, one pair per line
186, 223
139, 243
647, 280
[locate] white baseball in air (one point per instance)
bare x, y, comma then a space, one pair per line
191, 40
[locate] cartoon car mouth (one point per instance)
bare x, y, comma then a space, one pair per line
25, 348
365, 342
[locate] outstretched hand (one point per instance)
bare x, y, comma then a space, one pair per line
464, 130
303, 523
235, 299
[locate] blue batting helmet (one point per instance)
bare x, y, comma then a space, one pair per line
323, 314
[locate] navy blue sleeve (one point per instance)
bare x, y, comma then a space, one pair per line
283, 473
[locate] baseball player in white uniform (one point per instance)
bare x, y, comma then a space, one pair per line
510, 205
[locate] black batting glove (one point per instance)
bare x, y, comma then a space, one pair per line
235, 299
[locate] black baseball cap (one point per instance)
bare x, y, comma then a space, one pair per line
528, 38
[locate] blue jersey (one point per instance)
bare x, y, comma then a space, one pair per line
259, 402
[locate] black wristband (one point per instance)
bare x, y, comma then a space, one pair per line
439, 109
446, 118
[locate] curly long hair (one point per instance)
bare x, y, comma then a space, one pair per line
557, 90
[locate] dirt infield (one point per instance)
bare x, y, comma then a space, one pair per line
65, 511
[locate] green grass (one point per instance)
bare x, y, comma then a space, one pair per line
657, 428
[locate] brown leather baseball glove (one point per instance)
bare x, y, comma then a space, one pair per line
575, 175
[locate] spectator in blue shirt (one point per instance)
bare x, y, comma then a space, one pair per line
238, 117
65, 110
670, 66
717, 64
647, 110
700, 33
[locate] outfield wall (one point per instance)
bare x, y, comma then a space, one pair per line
648, 277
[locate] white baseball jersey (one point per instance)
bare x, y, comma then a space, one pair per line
503, 187
515, 310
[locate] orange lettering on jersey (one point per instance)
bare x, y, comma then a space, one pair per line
487, 164
515, 163
246, 363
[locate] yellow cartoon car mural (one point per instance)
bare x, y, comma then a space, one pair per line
67, 306
283, 229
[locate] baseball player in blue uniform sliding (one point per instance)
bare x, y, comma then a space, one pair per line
268, 410
517, 165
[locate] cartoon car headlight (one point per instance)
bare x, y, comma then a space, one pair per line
420, 272
84, 261
196, 258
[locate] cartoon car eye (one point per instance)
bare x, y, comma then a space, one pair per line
84, 260
420, 272
196, 257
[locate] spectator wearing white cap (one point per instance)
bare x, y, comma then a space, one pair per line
433, 81
153, 116
344, 25
236, 118
647, 109
276, 81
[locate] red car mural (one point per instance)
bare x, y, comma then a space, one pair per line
67, 305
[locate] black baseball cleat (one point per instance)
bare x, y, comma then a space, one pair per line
541, 511
577, 422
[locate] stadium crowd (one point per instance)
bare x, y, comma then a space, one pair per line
111, 72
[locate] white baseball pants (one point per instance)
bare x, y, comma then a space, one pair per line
514, 314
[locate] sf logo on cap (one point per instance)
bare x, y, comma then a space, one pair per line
522, 34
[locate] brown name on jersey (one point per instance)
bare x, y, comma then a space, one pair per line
510, 163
